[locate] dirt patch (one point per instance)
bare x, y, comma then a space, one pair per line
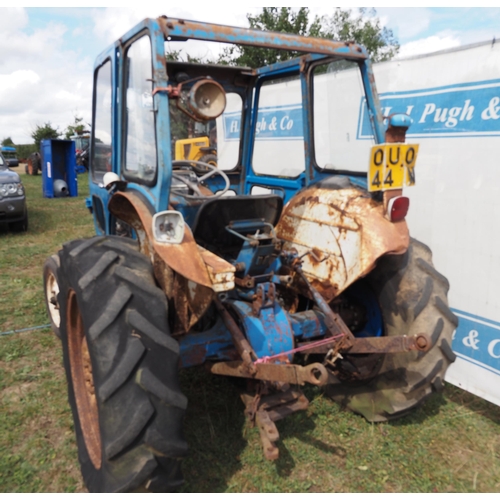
20, 169
13, 394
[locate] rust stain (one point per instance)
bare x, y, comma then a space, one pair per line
220, 271
357, 223
191, 301
184, 258
395, 134
179, 269
284, 41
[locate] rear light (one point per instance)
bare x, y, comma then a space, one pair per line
397, 208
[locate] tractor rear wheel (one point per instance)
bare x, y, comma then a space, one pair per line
34, 164
412, 297
122, 368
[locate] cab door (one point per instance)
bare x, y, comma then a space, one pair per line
103, 147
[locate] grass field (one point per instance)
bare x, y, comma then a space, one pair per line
451, 444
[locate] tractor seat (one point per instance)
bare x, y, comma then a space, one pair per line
209, 227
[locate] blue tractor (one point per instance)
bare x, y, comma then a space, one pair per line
284, 264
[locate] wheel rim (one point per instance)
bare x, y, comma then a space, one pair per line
83, 381
51, 292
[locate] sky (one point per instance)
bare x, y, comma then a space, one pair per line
47, 53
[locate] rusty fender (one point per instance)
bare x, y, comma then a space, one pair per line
187, 273
314, 373
340, 233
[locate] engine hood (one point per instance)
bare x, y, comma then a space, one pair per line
7, 175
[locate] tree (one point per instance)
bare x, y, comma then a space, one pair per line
77, 128
363, 28
178, 55
279, 19
7, 142
45, 131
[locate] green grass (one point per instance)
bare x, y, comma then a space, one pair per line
451, 444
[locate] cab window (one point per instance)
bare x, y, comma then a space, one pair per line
279, 135
337, 94
102, 145
140, 162
216, 142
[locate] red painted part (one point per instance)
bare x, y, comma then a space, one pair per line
398, 208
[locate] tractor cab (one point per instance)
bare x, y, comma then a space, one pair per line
181, 133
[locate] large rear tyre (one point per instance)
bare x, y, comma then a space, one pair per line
413, 299
34, 164
121, 368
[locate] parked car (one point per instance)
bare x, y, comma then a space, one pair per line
13, 208
10, 155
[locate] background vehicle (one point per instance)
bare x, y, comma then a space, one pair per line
202, 146
13, 208
10, 155
196, 148
82, 145
34, 164
306, 274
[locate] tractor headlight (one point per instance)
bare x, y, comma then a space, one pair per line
168, 227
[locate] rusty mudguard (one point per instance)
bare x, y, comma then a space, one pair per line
340, 232
188, 274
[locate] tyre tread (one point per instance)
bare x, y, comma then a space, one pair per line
122, 370
447, 350
424, 298
84, 245
138, 321
115, 306
429, 269
139, 419
99, 267
154, 386
445, 311
131, 277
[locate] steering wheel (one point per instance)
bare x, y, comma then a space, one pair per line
205, 167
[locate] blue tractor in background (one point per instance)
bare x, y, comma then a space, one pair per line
282, 265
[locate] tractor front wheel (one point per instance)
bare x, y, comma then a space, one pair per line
51, 289
412, 297
122, 368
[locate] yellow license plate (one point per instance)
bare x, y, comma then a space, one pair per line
392, 166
